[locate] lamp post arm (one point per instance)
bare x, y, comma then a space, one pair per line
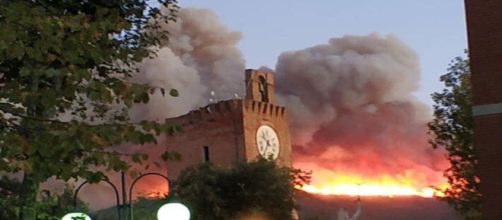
117, 200
131, 214
76, 194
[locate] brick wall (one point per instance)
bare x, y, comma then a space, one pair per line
484, 27
488, 141
217, 126
228, 129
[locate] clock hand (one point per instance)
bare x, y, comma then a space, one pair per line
266, 148
260, 146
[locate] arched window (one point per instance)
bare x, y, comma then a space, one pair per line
263, 88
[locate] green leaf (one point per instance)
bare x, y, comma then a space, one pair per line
51, 72
170, 155
173, 93
24, 72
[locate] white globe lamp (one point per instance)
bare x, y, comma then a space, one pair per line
76, 215
173, 211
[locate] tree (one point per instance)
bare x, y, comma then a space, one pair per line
258, 188
51, 206
452, 129
65, 88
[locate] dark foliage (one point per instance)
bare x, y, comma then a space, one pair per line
259, 188
452, 129
65, 90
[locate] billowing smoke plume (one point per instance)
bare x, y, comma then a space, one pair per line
200, 58
350, 101
352, 110
201, 61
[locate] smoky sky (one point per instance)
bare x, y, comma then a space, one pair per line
201, 57
352, 108
350, 99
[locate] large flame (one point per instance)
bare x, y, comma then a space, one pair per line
353, 185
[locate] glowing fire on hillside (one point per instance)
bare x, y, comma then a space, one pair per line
376, 189
385, 186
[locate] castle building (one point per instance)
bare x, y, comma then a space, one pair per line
484, 29
233, 130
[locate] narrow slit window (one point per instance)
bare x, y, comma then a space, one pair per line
263, 88
206, 154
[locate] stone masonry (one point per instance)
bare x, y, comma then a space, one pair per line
225, 132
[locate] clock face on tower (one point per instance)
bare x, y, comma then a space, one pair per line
267, 142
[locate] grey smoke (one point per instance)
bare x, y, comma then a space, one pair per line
350, 100
201, 56
352, 108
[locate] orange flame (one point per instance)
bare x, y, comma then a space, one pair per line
152, 189
384, 186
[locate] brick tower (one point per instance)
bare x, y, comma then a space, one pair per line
231, 130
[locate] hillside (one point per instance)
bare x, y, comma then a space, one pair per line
320, 207
374, 208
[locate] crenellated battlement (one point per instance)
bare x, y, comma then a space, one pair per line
264, 108
211, 112
226, 131
226, 109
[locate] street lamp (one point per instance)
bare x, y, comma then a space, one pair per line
171, 211
76, 216
174, 211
